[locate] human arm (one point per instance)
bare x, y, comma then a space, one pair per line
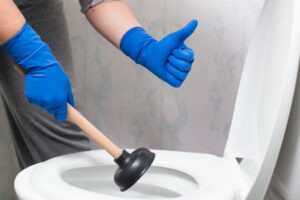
11, 20
46, 84
112, 19
169, 58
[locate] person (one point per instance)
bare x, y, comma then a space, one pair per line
34, 35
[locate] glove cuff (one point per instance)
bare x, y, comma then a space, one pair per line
134, 41
28, 50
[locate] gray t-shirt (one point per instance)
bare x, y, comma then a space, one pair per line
86, 4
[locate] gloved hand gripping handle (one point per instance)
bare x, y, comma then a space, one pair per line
87, 126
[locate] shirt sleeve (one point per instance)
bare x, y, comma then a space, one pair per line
86, 4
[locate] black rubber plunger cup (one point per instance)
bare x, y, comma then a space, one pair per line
132, 166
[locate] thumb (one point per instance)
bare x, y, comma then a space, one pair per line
186, 31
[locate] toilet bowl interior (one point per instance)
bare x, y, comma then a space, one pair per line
174, 174
159, 182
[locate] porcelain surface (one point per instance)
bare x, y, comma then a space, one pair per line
174, 175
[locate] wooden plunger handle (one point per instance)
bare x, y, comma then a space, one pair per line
87, 127
93, 132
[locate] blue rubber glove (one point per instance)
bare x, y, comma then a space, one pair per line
169, 59
46, 84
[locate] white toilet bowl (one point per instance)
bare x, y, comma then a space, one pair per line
176, 175
260, 117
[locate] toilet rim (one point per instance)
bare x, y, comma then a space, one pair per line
57, 166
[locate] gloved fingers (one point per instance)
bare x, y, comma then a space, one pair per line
186, 31
176, 73
71, 98
51, 111
41, 103
49, 107
180, 64
61, 112
172, 80
186, 54
32, 100
46, 106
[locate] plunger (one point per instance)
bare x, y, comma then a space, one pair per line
131, 165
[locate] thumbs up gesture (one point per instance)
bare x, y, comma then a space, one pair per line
169, 59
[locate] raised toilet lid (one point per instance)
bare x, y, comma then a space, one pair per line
266, 93
173, 175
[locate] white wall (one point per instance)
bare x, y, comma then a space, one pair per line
134, 108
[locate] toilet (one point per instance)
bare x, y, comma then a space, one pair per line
260, 117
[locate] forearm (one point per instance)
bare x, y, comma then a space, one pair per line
169, 58
11, 20
112, 19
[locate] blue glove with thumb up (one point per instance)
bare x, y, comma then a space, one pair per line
169, 59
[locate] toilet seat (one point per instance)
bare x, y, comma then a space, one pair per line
217, 177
